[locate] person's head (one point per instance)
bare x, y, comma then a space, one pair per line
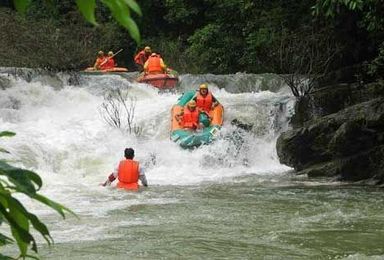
110, 53
153, 54
129, 153
203, 89
147, 50
191, 105
100, 54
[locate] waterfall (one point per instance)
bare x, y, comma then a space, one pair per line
62, 136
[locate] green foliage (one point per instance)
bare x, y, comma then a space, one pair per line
21, 5
331, 7
42, 43
87, 9
179, 11
371, 11
216, 36
376, 67
7, 133
205, 48
237, 41
121, 12
12, 211
258, 46
120, 9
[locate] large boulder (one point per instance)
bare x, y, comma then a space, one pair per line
332, 99
348, 144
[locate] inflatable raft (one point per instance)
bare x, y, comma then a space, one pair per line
189, 138
115, 69
161, 81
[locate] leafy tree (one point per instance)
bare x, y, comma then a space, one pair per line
120, 10
359, 25
371, 10
13, 213
217, 36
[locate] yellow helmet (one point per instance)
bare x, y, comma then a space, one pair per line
110, 53
100, 53
191, 104
147, 49
203, 86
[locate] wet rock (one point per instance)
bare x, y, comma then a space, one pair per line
327, 169
334, 98
74, 79
4, 83
242, 125
348, 144
352, 137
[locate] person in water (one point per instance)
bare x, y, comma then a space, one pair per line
188, 118
142, 57
99, 60
128, 173
204, 99
155, 65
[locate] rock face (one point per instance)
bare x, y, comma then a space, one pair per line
338, 132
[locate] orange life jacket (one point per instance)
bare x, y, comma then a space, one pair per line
154, 65
109, 64
190, 118
141, 58
99, 61
204, 103
128, 175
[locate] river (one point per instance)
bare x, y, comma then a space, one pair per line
228, 200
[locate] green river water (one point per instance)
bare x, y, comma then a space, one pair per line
251, 218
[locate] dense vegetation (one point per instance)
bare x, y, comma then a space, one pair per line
216, 36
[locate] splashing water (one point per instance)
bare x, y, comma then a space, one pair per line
60, 133
62, 136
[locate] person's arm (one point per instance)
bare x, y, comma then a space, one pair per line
215, 103
145, 66
142, 177
162, 65
178, 116
143, 59
111, 178
97, 64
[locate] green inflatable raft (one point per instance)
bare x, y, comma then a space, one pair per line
189, 139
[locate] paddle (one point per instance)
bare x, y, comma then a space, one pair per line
107, 59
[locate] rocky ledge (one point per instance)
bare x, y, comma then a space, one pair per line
338, 132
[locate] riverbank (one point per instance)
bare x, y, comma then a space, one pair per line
338, 132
